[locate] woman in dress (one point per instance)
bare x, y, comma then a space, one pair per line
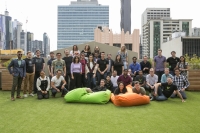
124, 56
118, 65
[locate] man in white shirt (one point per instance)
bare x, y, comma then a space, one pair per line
114, 80
58, 84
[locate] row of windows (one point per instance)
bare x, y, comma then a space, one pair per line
75, 38
81, 16
84, 12
82, 19
80, 25
75, 34
67, 8
75, 23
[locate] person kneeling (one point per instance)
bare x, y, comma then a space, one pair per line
58, 84
138, 89
43, 85
168, 89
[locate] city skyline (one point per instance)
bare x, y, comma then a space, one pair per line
43, 18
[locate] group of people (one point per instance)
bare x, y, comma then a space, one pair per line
94, 71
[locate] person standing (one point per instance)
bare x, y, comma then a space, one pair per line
76, 71
118, 65
83, 62
86, 51
58, 84
159, 63
110, 64
30, 71
102, 66
172, 61
182, 66
114, 79
49, 63
58, 64
43, 86
91, 72
135, 68
18, 72
39, 66
124, 56
74, 51
96, 57
68, 61
145, 66
181, 82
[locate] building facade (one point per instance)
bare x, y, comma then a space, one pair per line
126, 15
196, 32
46, 42
37, 45
76, 22
23, 41
150, 14
30, 37
105, 35
159, 31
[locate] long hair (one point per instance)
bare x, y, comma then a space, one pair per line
183, 61
74, 59
76, 48
92, 59
120, 60
88, 50
123, 50
95, 50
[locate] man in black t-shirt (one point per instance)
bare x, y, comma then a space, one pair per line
141, 79
102, 66
145, 66
49, 63
30, 71
172, 62
68, 60
167, 90
39, 66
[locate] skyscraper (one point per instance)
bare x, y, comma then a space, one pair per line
77, 21
150, 14
126, 15
46, 42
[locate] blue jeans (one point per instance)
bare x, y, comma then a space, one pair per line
63, 91
99, 77
161, 97
182, 94
91, 81
125, 65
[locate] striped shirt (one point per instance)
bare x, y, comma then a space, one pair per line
181, 82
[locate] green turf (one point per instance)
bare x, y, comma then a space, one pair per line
55, 116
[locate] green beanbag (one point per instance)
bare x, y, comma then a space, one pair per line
82, 96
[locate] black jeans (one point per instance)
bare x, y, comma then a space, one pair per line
17, 82
68, 79
159, 74
83, 80
42, 96
63, 91
37, 75
76, 82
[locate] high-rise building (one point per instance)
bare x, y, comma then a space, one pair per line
46, 42
2, 32
77, 21
23, 41
37, 45
126, 15
150, 14
30, 37
17, 28
196, 32
158, 31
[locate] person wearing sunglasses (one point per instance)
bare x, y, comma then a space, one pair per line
18, 72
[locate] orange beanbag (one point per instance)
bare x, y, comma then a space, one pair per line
129, 99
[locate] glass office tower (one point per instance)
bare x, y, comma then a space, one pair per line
76, 22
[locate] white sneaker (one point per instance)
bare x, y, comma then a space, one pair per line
31, 94
25, 95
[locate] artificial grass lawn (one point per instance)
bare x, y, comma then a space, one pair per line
56, 116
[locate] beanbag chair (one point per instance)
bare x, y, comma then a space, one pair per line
129, 99
82, 96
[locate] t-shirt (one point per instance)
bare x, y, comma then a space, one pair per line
86, 53
29, 65
172, 62
168, 89
38, 63
140, 79
183, 66
68, 61
117, 91
58, 65
118, 67
102, 64
57, 81
159, 60
143, 65
50, 63
123, 55
126, 80
141, 91
152, 79
114, 80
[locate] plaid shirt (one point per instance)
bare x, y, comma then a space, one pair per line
181, 82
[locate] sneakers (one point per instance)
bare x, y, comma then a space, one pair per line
12, 99
25, 95
151, 96
19, 97
31, 94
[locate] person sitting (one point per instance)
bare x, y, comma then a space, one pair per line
151, 80
43, 86
114, 80
138, 89
141, 79
145, 66
121, 89
181, 82
101, 87
135, 68
125, 78
58, 84
109, 84
165, 75
167, 90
